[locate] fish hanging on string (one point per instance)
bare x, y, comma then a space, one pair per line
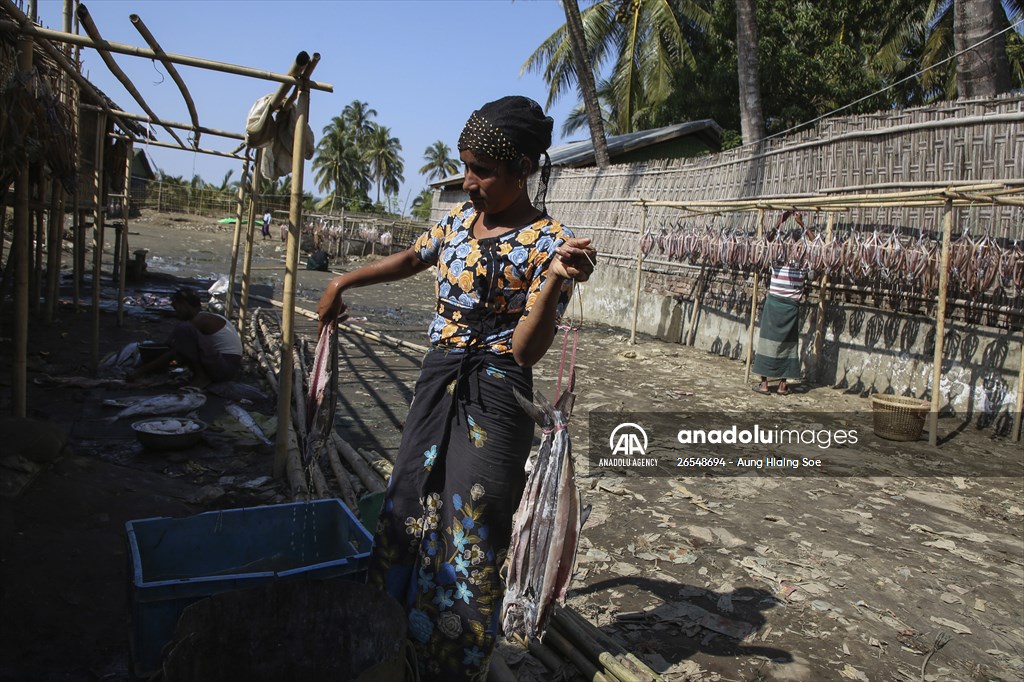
547, 526
323, 382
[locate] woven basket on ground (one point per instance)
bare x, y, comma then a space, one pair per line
899, 417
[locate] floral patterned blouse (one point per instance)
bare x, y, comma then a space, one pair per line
485, 286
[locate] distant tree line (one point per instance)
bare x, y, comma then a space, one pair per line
676, 60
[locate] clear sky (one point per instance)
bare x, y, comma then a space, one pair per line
424, 65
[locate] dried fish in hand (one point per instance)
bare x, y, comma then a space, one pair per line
171, 403
547, 526
239, 413
322, 382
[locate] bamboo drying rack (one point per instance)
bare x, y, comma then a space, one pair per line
948, 198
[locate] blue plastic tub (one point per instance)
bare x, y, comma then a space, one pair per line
175, 562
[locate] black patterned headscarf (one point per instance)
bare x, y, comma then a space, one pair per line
509, 129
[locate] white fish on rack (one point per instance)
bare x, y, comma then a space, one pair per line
171, 403
239, 413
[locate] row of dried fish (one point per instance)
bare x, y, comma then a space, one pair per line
976, 265
330, 234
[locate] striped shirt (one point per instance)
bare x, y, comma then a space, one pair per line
787, 283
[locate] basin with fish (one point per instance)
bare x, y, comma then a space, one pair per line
169, 433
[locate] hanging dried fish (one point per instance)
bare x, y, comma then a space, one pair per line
547, 526
323, 378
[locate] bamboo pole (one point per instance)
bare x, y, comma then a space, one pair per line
53, 244
639, 271
122, 254
77, 251
19, 257
69, 12
381, 466
381, 338
293, 464
97, 238
935, 196
264, 361
299, 400
819, 326
141, 27
85, 19
291, 267
699, 287
316, 475
168, 145
562, 645
122, 48
172, 124
940, 325
596, 653
498, 670
627, 659
753, 303
1015, 434
239, 206
370, 479
36, 271
243, 307
348, 494
275, 352
349, 328
551, 661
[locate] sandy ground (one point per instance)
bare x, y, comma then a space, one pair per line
706, 576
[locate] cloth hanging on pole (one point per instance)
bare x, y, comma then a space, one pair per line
275, 134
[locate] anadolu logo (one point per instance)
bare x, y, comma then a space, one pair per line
628, 440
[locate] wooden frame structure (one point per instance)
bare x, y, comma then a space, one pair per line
295, 85
947, 198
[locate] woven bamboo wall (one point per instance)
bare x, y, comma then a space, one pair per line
948, 143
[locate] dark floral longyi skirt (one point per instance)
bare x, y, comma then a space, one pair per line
447, 518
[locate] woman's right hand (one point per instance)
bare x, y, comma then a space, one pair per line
331, 307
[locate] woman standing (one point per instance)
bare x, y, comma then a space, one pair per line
505, 271
778, 344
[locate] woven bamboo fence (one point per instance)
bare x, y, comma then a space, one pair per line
948, 144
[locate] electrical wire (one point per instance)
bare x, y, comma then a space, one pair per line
798, 126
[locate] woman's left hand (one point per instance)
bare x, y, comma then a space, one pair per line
574, 259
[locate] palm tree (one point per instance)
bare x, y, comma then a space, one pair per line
585, 78
381, 151
338, 166
751, 113
984, 70
923, 34
439, 163
579, 117
645, 41
422, 204
358, 118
